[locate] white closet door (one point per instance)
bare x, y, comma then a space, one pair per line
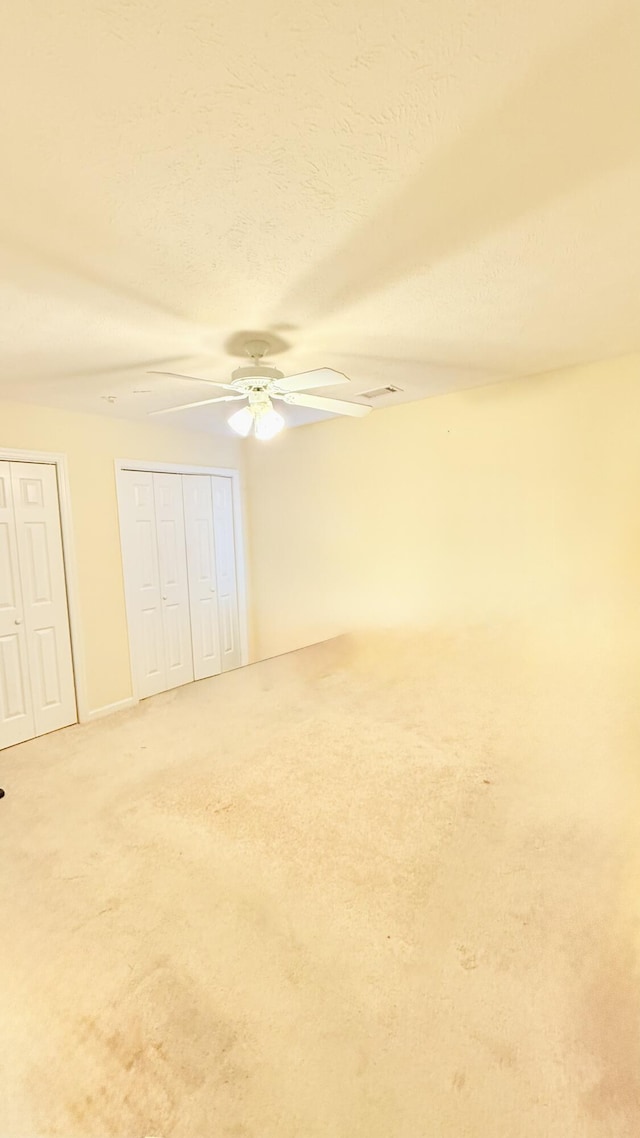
16, 712
174, 584
44, 595
224, 538
140, 551
198, 517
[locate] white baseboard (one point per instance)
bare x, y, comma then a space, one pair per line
109, 709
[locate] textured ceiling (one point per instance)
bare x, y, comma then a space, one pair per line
432, 195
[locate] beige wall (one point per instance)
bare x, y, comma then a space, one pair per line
91, 443
518, 502
512, 503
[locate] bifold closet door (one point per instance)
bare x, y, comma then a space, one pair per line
174, 584
16, 710
37, 692
201, 563
226, 571
152, 519
140, 557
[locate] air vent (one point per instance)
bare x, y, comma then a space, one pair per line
378, 392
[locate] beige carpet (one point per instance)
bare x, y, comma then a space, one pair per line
375, 889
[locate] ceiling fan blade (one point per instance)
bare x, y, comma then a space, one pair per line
336, 406
196, 378
306, 380
199, 403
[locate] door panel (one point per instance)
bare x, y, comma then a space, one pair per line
38, 562
153, 651
14, 701
174, 588
8, 565
198, 514
167, 544
225, 558
174, 643
48, 673
44, 595
147, 552
16, 713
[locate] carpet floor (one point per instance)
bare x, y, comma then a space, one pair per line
378, 888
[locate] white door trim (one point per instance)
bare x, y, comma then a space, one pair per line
70, 571
122, 464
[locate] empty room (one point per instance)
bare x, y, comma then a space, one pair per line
320, 569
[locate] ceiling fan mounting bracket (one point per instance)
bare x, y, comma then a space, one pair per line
256, 349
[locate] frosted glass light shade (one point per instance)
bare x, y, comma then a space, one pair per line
242, 421
268, 424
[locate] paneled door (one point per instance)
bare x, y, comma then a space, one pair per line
201, 562
142, 577
16, 710
37, 692
174, 585
155, 568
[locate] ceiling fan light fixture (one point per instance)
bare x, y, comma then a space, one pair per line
268, 424
261, 417
242, 421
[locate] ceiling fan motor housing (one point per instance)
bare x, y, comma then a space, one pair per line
256, 382
255, 379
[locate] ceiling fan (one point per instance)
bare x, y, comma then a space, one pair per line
260, 384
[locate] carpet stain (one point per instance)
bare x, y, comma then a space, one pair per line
136, 1066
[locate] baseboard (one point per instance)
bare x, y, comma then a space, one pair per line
110, 709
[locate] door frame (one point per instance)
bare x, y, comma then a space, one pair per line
122, 464
48, 458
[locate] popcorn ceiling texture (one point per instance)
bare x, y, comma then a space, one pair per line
451, 186
383, 886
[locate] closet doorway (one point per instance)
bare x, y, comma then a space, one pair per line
181, 537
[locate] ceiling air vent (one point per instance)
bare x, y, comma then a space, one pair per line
378, 392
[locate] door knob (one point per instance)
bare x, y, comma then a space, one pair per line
18, 620
164, 598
